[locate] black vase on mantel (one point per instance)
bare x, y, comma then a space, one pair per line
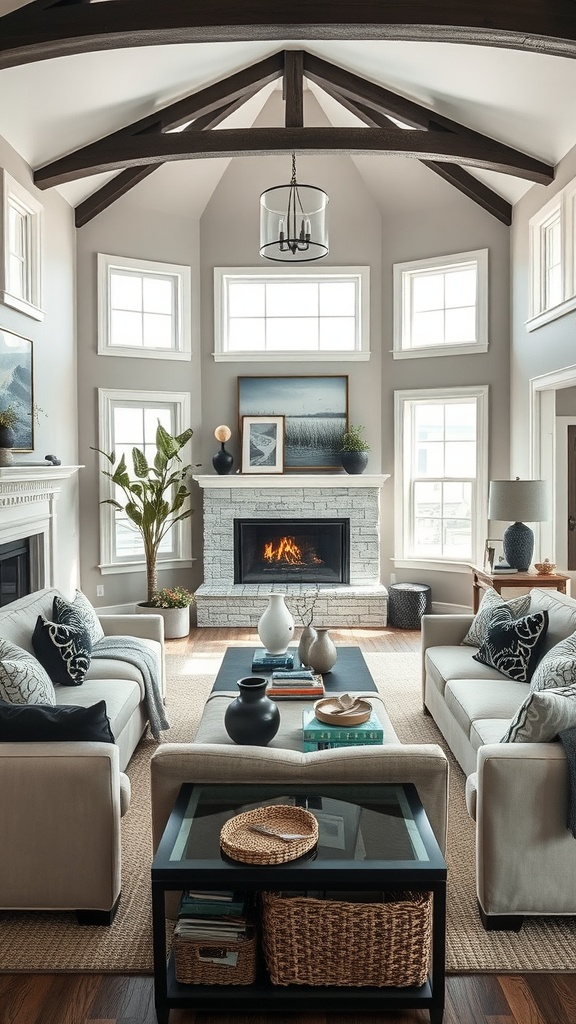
252, 717
222, 461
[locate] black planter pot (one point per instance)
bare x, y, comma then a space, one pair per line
252, 717
354, 462
222, 461
7, 437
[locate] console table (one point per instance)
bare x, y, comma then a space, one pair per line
385, 843
482, 580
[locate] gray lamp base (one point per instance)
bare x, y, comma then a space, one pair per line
518, 544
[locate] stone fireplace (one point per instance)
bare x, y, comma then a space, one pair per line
291, 533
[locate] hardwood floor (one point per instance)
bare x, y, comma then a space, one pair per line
112, 999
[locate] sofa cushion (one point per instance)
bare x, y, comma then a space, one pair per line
561, 615
487, 730
37, 723
23, 680
443, 663
472, 699
513, 645
491, 602
79, 613
64, 651
558, 667
122, 697
542, 716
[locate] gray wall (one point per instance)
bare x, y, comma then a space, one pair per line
365, 230
54, 359
566, 401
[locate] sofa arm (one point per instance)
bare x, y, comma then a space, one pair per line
425, 765
525, 854
150, 627
442, 631
60, 808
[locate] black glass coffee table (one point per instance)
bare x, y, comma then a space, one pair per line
373, 838
349, 673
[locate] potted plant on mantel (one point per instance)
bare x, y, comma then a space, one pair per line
353, 450
8, 419
155, 500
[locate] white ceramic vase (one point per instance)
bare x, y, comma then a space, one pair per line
276, 625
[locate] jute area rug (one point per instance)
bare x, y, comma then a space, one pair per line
54, 942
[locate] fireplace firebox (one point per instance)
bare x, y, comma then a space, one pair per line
14, 571
291, 551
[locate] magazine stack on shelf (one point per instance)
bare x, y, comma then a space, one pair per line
297, 684
221, 915
319, 736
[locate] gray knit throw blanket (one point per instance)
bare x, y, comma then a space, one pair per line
132, 650
568, 740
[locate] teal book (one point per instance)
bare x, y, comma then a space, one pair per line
262, 660
309, 746
314, 731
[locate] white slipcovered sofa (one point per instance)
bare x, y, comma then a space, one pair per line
61, 802
517, 792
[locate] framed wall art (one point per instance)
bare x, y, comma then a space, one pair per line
16, 389
315, 411
262, 444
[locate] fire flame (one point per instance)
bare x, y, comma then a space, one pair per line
286, 550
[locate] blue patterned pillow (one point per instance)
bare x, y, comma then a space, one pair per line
80, 614
512, 646
64, 651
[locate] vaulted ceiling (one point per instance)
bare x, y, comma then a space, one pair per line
97, 96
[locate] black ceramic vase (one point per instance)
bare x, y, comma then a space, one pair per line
354, 462
252, 717
222, 461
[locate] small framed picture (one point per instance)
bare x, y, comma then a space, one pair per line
493, 554
262, 444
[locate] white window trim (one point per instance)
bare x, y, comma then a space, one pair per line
401, 485
183, 289
565, 202
402, 272
12, 191
362, 353
181, 535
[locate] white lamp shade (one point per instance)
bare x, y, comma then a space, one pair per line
519, 501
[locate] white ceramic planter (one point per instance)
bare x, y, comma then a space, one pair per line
176, 620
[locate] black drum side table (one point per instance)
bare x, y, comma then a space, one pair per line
407, 603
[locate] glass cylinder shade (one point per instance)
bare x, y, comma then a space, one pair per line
293, 225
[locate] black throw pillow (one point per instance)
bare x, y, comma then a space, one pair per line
32, 723
64, 651
512, 646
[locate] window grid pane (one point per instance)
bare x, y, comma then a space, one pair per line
142, 310
440, 306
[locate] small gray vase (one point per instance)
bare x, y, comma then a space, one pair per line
307, 637
322, 654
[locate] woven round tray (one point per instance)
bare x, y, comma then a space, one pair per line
331, 711
241, 843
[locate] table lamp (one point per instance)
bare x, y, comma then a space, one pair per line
518, 500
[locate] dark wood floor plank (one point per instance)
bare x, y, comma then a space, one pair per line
481, 993
22, 997
125, 1000
555, 997
516, 989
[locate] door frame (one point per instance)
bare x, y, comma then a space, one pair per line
543, 454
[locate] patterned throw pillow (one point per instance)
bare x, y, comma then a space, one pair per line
512, 645
80, 614
22, 678
490, 603
558, 667
542, 716
65, 651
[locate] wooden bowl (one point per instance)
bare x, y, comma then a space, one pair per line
329, 711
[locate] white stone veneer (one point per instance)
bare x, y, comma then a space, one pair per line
221, 602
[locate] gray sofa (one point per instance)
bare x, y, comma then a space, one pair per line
517, 792
61, 803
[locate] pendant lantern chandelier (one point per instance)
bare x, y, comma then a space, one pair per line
293, 227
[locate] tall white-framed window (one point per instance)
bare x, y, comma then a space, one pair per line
21, 263
553, 259
441, 472
300, 313
144, 308
126, 420
441, 305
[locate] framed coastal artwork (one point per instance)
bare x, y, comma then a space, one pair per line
262, 444
315, 411
16, 387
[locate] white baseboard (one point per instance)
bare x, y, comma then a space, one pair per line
116, 609
443, 608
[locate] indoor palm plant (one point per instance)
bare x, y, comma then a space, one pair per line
156, 495
353, 450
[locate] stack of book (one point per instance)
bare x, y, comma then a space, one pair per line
295, 684
219, 915
264, 662
318, 736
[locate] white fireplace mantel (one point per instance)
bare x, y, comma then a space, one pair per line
292, 480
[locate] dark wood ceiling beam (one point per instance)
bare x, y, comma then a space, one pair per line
293, 88
37, 32
455, 175
153, 149
121, 183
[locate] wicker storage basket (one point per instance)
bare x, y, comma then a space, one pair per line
327, 942
209, 962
